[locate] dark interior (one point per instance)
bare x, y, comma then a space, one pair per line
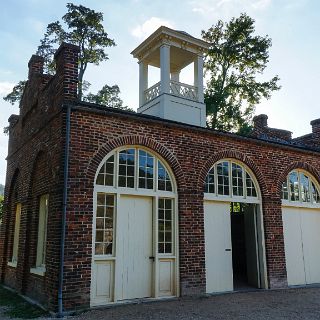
239, 258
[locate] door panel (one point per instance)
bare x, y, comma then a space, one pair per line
134, 247
293, 246
310, 226
219, 274
251, 246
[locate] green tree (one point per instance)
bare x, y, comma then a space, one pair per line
108, 96
16, 93
235, 58
81, 26
84, 29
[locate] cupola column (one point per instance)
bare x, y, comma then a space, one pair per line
198, 77
165, 68
143, 81
175, 76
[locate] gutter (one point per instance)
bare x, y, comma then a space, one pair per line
64, 212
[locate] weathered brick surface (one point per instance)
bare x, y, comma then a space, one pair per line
35, 167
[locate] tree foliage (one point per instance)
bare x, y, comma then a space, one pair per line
235, 58
108, 96
16, 93
84, 29
80, 26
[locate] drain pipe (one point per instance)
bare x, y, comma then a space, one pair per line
64, 212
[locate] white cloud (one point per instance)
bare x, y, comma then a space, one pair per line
36, 25
5, 88
222, 8
261, 4
144, 30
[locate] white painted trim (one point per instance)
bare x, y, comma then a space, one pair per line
245, 199
40, 271
298, 204
155, 194
12, 264
214, 197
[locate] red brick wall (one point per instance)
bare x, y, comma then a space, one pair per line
36, 163
190, 152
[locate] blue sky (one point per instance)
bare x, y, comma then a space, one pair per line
293, 25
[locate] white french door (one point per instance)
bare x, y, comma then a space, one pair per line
217, 226
134, 248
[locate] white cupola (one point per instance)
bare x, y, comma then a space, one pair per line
172, 51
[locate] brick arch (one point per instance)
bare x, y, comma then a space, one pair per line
12, 184
296, 165
165, 153
231, 154
40, 152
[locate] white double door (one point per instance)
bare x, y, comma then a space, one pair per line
218, 247
301, 227
134, 262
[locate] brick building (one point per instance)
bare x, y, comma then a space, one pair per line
104, 205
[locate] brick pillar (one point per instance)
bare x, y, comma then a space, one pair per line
191, 243
315, 126
66, 59
35, 66
274, 242
260, 121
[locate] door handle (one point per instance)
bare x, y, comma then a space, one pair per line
227, 249
151, 258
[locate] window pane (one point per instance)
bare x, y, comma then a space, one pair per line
106, 173
99, 248
285, 191
100, 179
100, 211
304, 188
101, 199
100, 223
104, 223
237, 180
165, 221
126, 168
294, 186
164, 181
42, 230
223, 178
315, 193
251, 190
209, 183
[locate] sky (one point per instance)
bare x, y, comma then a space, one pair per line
293, 25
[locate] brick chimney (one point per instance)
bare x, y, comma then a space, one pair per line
315, 126
260, 121
66, 59
35, 66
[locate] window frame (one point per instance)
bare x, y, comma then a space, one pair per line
16, 236
155, 193
136, 190
232, 197
300, 203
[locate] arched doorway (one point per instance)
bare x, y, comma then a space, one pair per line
135, 228
301, 227
234, 241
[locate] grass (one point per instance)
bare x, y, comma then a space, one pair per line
17, 307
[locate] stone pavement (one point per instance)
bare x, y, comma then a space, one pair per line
292, 304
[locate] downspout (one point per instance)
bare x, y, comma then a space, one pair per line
64, 212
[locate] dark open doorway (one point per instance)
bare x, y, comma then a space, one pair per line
244, 246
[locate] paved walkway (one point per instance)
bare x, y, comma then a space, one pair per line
292, 304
